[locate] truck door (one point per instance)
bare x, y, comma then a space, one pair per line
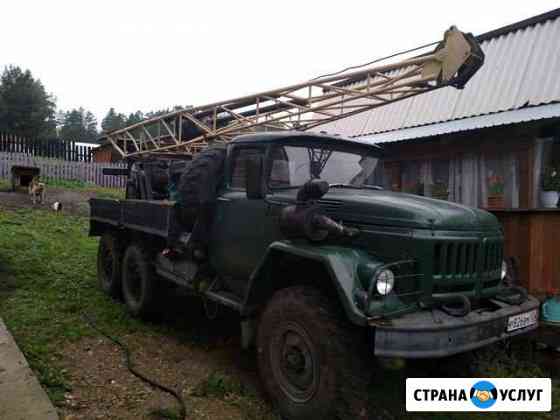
242, 228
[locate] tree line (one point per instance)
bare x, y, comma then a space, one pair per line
27, 110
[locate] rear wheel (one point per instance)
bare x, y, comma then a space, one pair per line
310, 360
109, 265
139, 288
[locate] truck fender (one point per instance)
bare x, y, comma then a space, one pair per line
339, 263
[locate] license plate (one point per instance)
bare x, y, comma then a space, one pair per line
516, 322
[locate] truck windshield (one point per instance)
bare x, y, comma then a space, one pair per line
293, 166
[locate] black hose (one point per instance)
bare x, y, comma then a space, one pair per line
376, 60
131, 369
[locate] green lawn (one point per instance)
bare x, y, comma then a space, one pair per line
4, 184
100, 192
47, 281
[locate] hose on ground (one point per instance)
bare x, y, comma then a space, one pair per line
132, 369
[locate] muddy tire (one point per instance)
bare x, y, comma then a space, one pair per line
313, 363
109, 260
198, 185
139, 283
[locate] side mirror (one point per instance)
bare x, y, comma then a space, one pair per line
254, 182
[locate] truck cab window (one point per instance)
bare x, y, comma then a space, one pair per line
293, 166
238, 165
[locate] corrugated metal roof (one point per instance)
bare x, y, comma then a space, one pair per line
465, 124
522, 69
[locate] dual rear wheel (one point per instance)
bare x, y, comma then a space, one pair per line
128, 274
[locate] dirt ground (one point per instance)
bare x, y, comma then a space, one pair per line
102, 387
73, 201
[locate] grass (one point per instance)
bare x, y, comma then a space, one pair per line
166, 413
218, 385
45, 295
47, 283
75, 185
230, 389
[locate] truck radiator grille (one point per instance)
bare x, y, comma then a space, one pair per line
466, 259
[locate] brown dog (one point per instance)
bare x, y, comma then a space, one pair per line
37, 190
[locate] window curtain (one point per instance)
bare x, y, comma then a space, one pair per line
511, 177
426, 177
469, 178
542, 149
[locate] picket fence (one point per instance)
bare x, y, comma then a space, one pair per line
63, 170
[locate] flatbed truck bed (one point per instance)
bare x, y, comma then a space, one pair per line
154, 217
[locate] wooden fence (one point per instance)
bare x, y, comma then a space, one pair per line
52, 148
63, 170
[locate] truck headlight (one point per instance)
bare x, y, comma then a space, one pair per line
384, 282
504, 269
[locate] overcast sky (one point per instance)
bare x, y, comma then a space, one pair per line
146, 55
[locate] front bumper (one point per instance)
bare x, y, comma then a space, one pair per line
433, 333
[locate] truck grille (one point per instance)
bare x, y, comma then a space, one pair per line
457, 264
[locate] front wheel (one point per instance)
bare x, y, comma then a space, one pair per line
310, 359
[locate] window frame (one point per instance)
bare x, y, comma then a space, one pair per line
336, 147
229, 167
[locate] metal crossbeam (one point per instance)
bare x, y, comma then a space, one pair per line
304, 106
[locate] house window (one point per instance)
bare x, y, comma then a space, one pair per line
411, 180
486, 180
547, 172
473, 179
426, 177
438, 182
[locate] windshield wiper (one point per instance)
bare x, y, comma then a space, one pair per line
357, 187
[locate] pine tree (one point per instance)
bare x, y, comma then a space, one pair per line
134, 118
79, 125
90, 124
113, 121
25, 107
73, 125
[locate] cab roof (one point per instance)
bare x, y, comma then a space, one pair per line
289, 135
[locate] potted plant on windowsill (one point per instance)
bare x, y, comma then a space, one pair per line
413, 188
495, 192
550, 187
440, 191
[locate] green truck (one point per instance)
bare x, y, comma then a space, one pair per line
325, 266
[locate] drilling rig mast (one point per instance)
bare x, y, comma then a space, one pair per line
306, 105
